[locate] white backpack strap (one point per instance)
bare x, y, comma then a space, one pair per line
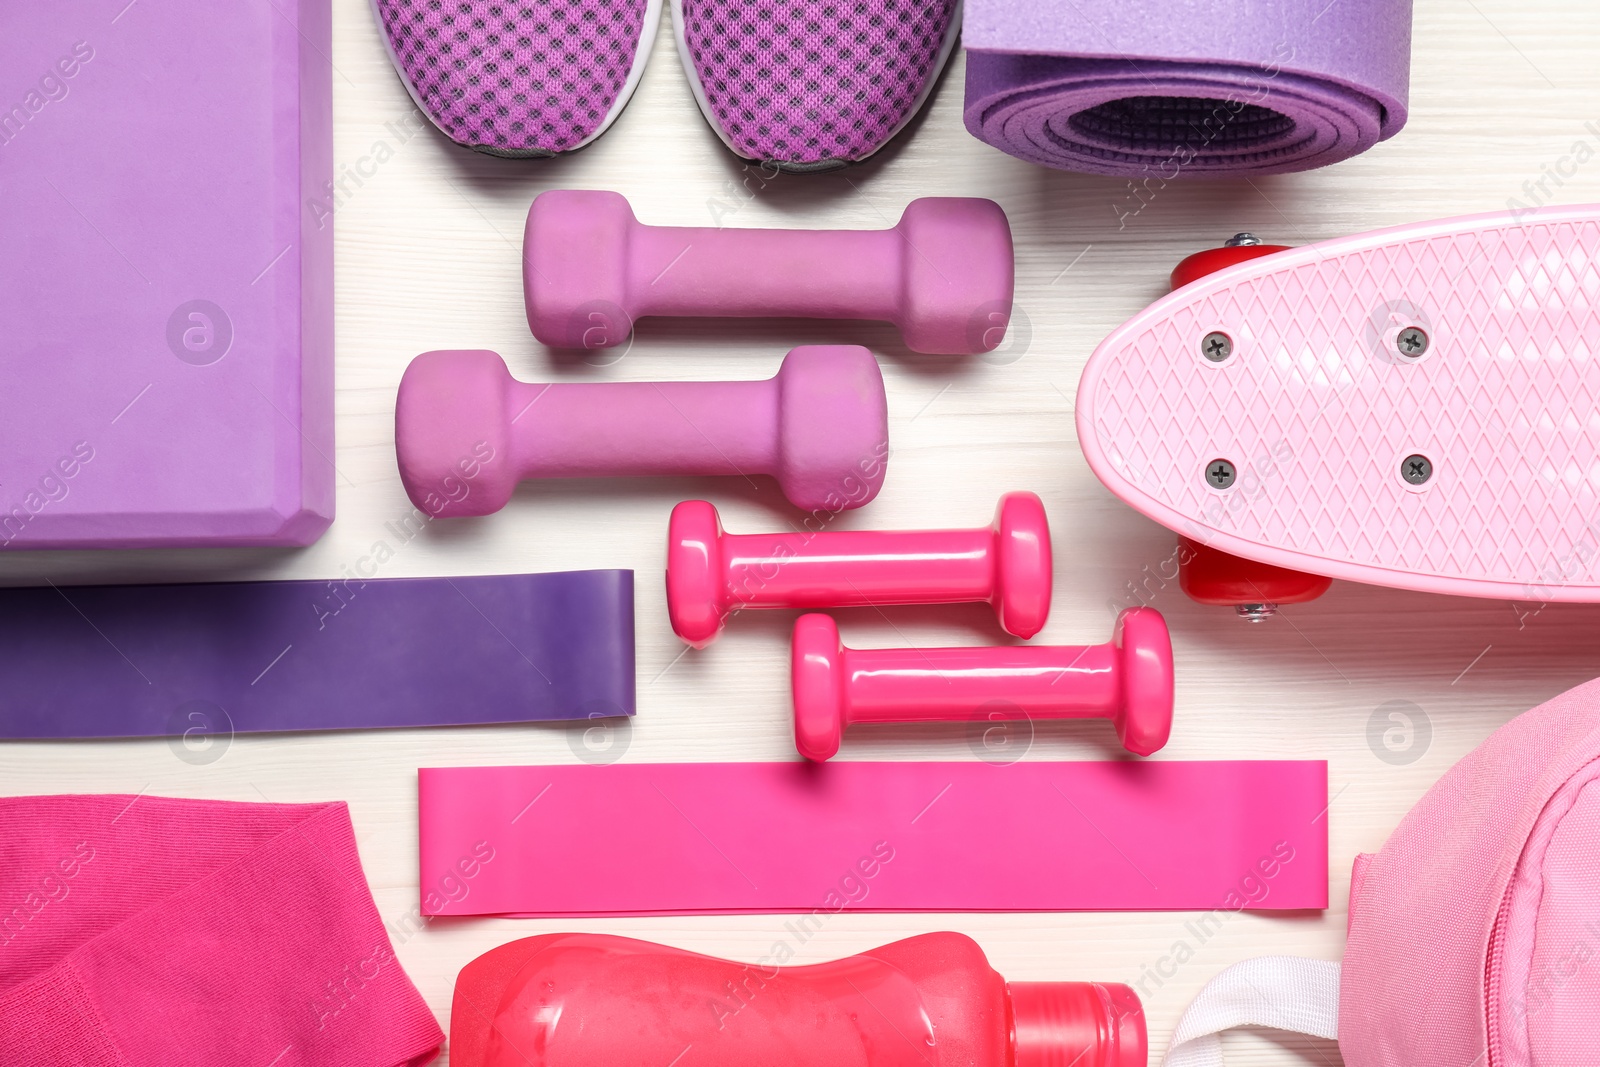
1283, 992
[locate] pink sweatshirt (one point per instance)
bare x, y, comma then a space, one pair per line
142, 931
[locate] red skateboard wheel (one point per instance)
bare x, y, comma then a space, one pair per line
1212, 577
1212, 260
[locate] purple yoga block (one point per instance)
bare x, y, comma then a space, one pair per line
166, 361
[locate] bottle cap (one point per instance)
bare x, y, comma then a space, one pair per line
1076, 1024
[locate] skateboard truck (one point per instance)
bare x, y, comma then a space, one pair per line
1255, 590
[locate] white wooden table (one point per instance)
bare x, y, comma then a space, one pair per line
428, 257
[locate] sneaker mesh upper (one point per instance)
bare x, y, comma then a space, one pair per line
527, 77
805, 81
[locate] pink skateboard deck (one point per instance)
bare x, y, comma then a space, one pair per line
1417, 407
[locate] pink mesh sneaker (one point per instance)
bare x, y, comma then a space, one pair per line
810, 85
520, 78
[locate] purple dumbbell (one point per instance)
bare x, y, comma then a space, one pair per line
944, 275
466, 432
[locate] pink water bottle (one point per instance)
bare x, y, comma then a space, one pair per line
595, 1000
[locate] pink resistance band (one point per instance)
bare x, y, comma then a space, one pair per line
657, 839
150, 932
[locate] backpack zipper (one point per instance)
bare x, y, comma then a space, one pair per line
1491, 980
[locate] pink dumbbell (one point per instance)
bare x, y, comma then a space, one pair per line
711, 573
1128, 680
943, 275
466, 432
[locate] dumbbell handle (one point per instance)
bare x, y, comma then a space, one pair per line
935, 684
846, 274
580, 429
852, 568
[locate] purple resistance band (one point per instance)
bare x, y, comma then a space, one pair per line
685, 838
248, 657
1157, 89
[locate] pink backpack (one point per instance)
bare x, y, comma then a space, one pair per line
1474, 933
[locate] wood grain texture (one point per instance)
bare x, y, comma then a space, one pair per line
428, 257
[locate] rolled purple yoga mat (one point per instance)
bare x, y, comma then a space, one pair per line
1170, 88
218, 658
